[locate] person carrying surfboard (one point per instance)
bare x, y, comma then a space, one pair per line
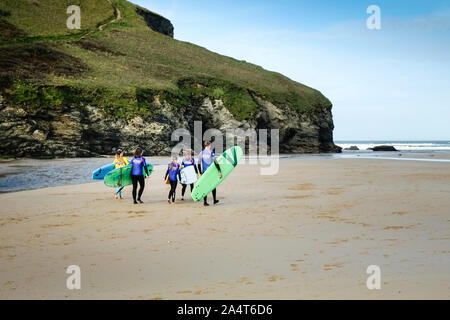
173, 171
137, 174
119, 162
205, 158
187, 161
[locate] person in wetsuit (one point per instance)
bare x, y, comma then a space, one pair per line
205, 159
173, 171
187, 161
137, 174
119, 162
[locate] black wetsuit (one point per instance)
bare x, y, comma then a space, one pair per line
183, 189
138, 176
214, 193
173, 184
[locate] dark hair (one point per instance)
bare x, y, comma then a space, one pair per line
119, 151
207, 143
138, 152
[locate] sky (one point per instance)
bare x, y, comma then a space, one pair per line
391, 83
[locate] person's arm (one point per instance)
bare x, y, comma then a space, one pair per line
218, 168
199, 163
167, 173
195, 167
179, 173
145, 166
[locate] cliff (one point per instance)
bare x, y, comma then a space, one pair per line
118, 83
156, 22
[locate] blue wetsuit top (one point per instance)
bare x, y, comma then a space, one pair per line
174, 172
138, 166
187, 163
206, 157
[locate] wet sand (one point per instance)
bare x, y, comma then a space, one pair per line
308, 232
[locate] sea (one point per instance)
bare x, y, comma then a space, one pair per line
421, 146
26, 174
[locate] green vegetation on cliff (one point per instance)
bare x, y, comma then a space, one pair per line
118, 63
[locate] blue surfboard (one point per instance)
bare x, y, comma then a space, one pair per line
101, 172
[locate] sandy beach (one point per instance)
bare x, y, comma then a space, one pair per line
308, 232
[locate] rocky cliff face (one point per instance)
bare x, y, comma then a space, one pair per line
86, 130
54, 103
156, 22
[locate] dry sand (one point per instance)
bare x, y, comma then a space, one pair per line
308, 232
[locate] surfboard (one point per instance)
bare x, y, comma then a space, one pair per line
121, 177
188, 175
101, 172
211, 179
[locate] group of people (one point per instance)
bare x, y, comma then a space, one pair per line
139, 165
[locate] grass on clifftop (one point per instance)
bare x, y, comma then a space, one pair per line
113, 66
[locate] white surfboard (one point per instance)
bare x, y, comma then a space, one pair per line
188, 175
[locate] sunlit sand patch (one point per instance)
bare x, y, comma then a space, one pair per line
10, 284
400, 213
303, 186
216, 230
56, 225
339, 219
443, 238
184, 292
244, 280
294, 267
334, 191
331, 266
393, 228
337, 241
400, 227
116, 236
299, 196
6, 247
428, 176
274, 278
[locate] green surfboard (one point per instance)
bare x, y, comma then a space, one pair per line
121, 177
211, 179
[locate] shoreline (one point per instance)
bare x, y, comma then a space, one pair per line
308, 232
17, 171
